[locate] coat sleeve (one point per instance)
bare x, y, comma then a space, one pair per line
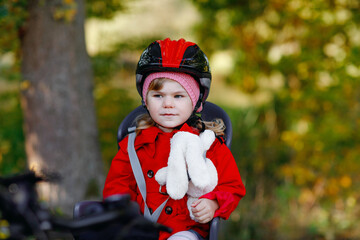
230, 188
120, 179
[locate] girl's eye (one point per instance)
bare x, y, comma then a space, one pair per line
179, 96
157, 95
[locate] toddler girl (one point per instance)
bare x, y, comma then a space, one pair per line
173, 78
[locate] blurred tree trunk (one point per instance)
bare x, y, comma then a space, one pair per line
59, 114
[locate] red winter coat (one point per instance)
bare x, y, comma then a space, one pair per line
153, 147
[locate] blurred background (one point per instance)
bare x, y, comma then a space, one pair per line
287, 72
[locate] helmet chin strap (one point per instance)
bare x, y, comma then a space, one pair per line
195, 117
143, 103
198, 103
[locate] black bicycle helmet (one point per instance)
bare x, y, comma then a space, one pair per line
175, 56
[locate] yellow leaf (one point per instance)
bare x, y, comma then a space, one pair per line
345, 181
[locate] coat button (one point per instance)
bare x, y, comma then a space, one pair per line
168, 210
150, 174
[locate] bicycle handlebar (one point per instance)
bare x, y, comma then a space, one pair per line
26, 217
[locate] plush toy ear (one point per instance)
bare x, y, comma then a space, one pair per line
194, 191
207, 138
177, 179
195, 161
213, 175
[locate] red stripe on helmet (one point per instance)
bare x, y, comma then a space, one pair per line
172, 52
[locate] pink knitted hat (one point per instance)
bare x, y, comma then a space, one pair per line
185, 80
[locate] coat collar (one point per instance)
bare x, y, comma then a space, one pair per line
149, 135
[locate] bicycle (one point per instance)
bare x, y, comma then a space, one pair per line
25, 216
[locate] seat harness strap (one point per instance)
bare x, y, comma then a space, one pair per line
140, 180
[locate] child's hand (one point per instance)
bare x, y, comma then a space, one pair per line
204, 209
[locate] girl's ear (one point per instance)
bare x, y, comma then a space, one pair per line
200, 108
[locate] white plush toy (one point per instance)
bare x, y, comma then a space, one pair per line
187, 159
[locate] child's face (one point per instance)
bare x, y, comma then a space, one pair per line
169, 106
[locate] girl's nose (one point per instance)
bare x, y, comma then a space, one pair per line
168, 102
